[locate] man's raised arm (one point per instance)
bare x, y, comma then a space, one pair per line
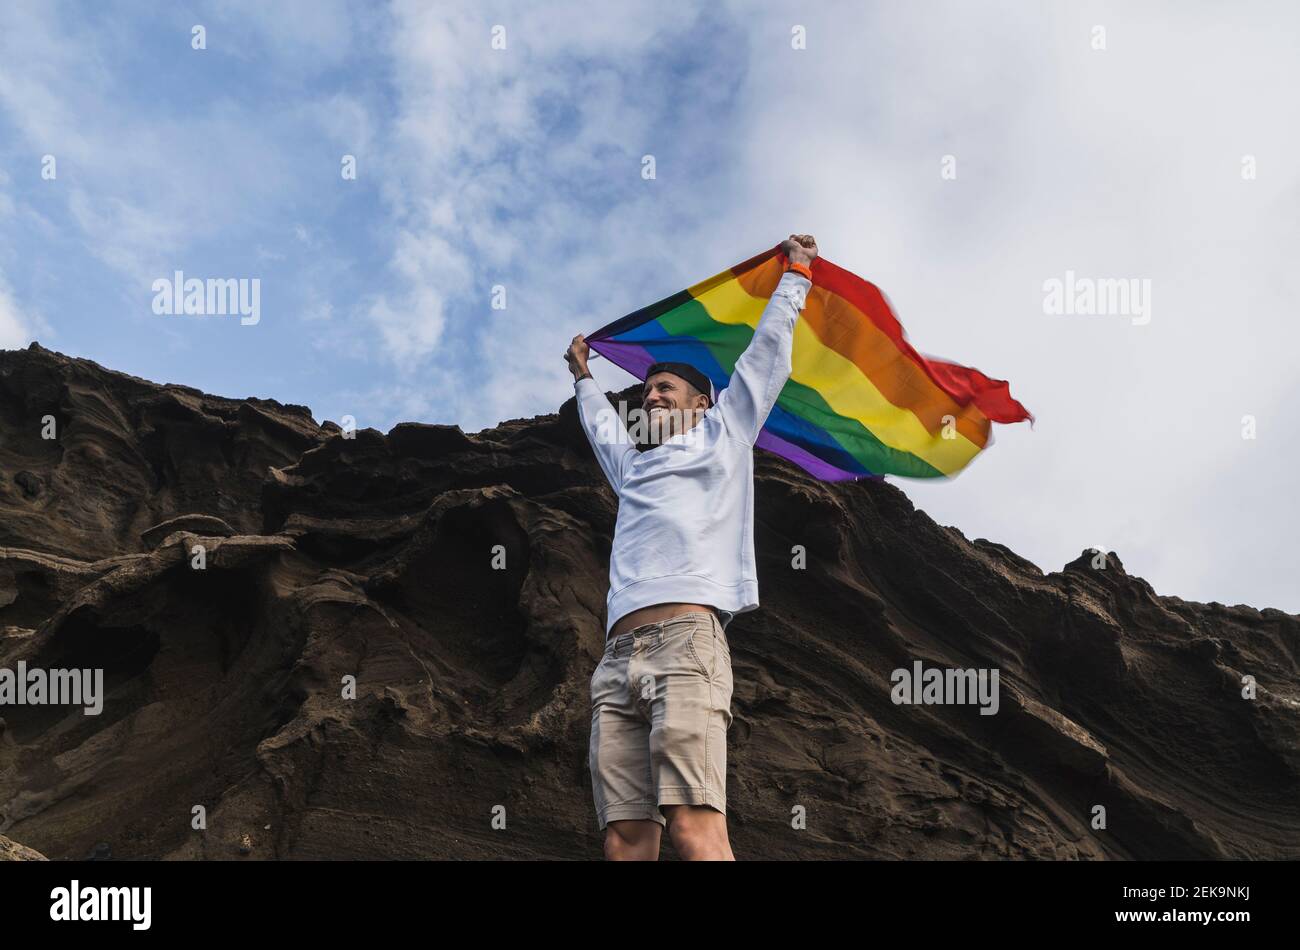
764, 367
600, 420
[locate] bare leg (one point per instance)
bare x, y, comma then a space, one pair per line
632, 839
698, 832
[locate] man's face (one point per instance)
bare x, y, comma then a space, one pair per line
671, 410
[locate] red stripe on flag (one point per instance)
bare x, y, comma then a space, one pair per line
965, 384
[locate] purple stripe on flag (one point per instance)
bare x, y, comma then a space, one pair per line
805, 460
633, 357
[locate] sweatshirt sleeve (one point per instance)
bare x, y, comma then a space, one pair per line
605, 431
764, 367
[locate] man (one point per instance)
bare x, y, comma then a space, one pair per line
682, 566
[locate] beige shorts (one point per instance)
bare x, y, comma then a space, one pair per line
660, 711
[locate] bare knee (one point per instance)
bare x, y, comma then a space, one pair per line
632, 841
699, 833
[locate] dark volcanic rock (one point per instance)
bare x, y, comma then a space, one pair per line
320, 643
198, 524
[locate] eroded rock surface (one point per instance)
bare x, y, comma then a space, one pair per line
229, 564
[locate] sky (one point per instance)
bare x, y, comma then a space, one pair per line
961, 156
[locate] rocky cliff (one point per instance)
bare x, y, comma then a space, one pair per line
233, 568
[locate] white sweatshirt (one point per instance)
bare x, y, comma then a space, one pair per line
685, 527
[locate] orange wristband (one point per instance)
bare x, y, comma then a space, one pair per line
803, 269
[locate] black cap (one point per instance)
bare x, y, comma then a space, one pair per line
687, 372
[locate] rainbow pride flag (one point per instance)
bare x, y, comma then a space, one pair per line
860, 401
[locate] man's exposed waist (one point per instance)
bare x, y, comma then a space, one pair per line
655, 613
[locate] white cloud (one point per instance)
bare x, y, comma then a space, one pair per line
547, 136
17, 326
